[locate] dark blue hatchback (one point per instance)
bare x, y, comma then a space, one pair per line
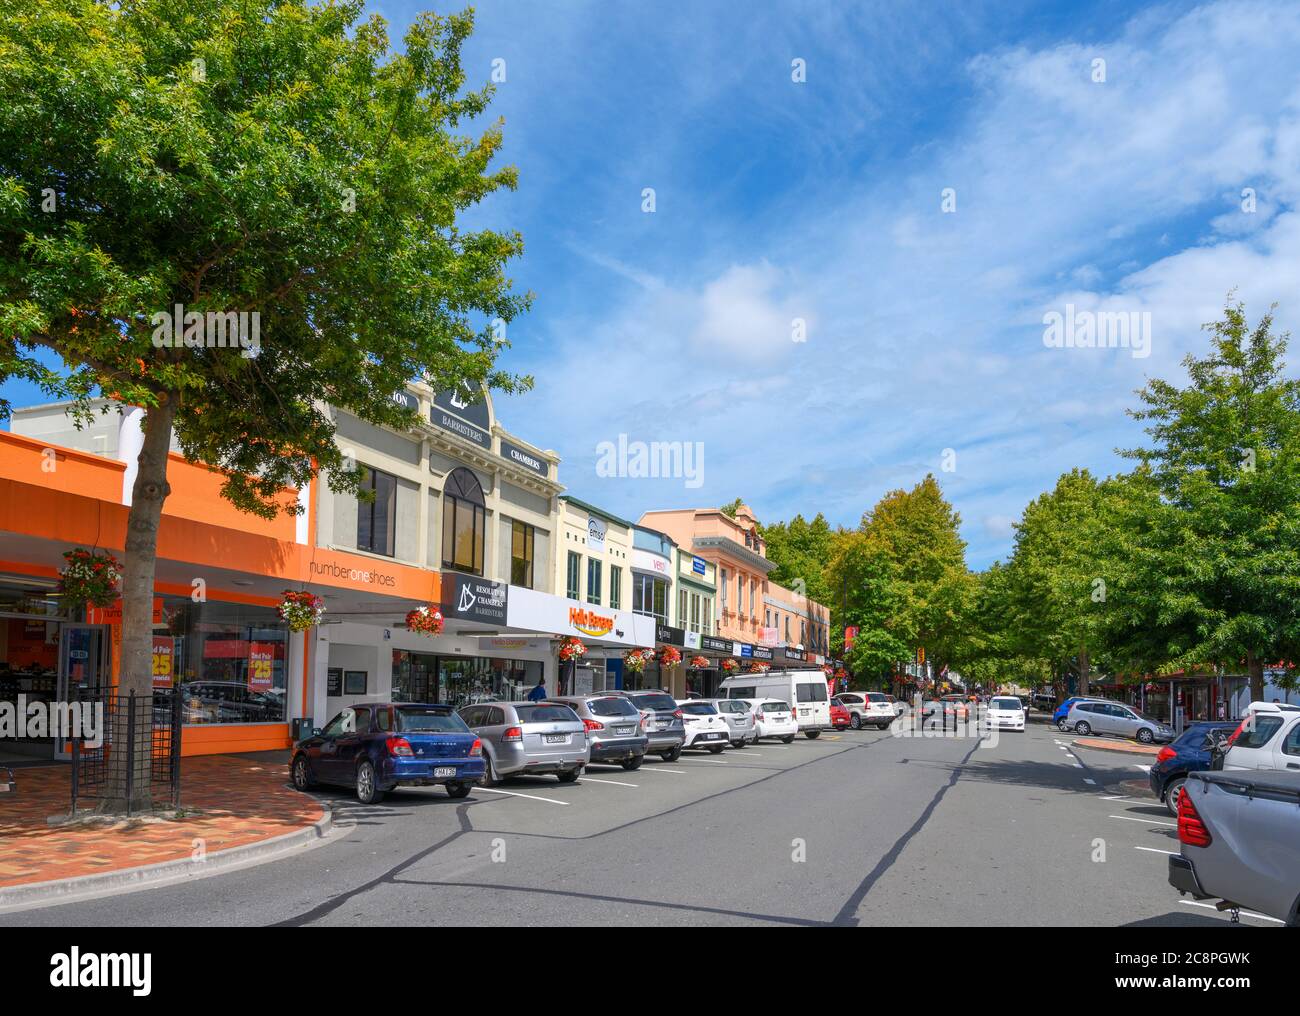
1189, 753
376, 746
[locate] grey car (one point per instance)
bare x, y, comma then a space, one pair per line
528, 737
1117, 719
739, 715
665, 730
615, 728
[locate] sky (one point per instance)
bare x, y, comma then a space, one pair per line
943, 177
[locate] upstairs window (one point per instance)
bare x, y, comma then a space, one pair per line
464, 522
376, 518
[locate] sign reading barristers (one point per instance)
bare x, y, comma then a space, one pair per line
463, 414
475, 599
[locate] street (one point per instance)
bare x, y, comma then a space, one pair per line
857, 828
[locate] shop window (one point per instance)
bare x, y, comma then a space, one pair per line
593, 580
571, 579
615, 587
376, 516
464, 522
521, 554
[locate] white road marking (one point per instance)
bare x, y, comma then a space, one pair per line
710, 761
1244, 913
612, 783
531, 797
661, 769
1118, 797
1153, 850
1148, 821
1092, 783
1145, 769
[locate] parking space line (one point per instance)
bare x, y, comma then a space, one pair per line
531, 797
710, 761
1244, 913
661, 769
1153, 850
1148, 821
612, 783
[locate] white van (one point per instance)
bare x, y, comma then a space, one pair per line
805, 690
1269, 738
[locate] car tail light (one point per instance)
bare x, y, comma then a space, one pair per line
592, 725
513, 734
477, 748
677, 714
758, 716
1191, 830
1166, 753
399, 747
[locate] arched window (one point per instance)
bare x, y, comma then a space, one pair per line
464, 521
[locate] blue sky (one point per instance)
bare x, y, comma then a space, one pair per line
821, 200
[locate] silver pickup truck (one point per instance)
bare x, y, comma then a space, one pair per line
1240, 837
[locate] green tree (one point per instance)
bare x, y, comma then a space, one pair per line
1218, 581
801, 551
873, 601
264, 156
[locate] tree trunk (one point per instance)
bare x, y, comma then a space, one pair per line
1255, 668
1083, 671
148, 493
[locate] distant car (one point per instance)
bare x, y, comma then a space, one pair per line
663, 726
615, 728
740, 718
1118, 720
1191, 752
867, 709
1268, 738
959, 706
705, 726
1063, 710
528, 737
377, 746
839, 716
899, 707
1005, 712
774, 719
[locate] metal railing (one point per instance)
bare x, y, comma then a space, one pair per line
136, 765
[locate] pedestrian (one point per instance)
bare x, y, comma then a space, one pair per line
539, 692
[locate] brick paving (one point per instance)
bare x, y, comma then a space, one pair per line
237, 801
1116, 744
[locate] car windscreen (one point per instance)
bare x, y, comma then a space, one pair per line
732, 706
661, 703
434, 721
546, 714
611, 707
699, 709
1258, 731
876, 696
1005, 703
776, 707
745, 692
813, 692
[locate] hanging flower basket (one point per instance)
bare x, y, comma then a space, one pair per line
636, 659
301, 609
759, 668
425, 620
670, 656
89, 578
841, 672
699, 663
729, 665
571, 648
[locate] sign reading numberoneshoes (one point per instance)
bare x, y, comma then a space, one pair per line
523, 457
474, 599
454, 411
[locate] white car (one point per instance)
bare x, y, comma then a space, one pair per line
1268, 738
705, 727
774, 719
1005, 712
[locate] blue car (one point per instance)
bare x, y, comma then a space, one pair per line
1063, 710
1189, 753
374, 747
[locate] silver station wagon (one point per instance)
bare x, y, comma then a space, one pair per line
520, 738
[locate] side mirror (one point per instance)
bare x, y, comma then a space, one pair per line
315, 731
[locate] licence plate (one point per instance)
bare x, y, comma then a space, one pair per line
622, 730
713, 737
443, 771
557, 738
661, 726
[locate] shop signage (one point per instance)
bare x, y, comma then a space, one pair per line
768, 636
761, 653
453, 411
162, 661
692, 640
795, 654
669, 635
513, 645
261, 666
589, 622
699, 565
717, 645
112, 614
746, 650
596, 534
475, 599
407, 401
522, 457
646, 561
534, 611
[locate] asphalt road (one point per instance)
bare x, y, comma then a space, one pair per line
856, 829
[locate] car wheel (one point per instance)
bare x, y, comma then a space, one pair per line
457, 789
1146, 736
490, 778
301, 774
1173, 792
1083, 728
368, 791
673, 755
716, 749
812, 735
787, 739
633, 763
738, 744
1062, 726
856, 722
569, 775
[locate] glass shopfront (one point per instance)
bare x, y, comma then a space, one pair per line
461, 680
30, 629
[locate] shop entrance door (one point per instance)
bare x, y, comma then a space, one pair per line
85, 667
